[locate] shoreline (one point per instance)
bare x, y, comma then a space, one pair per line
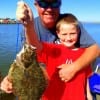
11, 23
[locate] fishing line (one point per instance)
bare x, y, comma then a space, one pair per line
17, 36
23, 38
21, 35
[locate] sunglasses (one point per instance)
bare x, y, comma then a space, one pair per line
45, 4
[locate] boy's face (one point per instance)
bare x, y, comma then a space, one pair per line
68, 35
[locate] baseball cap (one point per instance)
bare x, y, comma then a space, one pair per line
46, 4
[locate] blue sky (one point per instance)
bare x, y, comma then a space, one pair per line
85, 10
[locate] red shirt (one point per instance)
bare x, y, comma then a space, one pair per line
54, 55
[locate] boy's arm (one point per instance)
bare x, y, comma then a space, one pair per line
25, 16
31, 37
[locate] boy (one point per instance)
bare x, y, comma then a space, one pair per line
66, 51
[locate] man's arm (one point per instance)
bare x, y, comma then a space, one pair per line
90, 54
68, 71
92, 49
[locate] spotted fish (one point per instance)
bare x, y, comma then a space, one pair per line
27, 77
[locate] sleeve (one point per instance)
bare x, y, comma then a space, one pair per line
85, 40
42, 56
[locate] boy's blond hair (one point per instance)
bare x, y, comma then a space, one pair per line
67, 19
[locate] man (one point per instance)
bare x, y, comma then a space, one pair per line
49, 13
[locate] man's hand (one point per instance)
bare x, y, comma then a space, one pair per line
66, 72
23, 13
6, 85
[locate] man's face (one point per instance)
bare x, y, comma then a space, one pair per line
48, 11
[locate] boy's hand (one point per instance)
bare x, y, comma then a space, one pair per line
23, 13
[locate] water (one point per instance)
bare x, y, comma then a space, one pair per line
10, 42
94, 30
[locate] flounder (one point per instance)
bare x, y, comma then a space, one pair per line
27, 77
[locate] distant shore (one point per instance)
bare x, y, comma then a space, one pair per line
8, 21
11, 23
